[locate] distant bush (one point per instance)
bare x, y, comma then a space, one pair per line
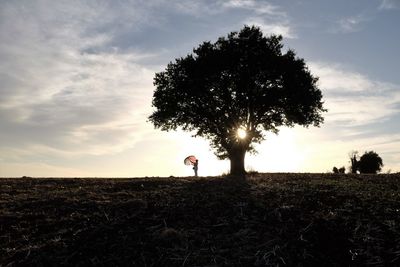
370, 162
340, 170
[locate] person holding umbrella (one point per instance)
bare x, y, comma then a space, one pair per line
191, 160
196, 167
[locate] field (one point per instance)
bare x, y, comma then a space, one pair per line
269, 219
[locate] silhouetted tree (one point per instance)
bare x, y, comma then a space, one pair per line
353, 161
340, 170
370, 162
243, 81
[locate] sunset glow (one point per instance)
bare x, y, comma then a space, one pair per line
77, 84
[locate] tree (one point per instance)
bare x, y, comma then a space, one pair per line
232, 90
340, 170
370, 162
353, 155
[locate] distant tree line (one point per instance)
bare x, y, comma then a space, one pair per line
369, 162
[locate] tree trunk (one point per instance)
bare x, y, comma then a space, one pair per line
354, 163
236, 157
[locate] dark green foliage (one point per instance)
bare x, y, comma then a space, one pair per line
242, 81
370, 162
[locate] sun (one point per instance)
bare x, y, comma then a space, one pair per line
241, 133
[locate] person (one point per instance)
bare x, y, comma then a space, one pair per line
196, 167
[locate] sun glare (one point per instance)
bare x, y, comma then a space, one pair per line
279, 153
241, 133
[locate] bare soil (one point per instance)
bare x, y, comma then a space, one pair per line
265, 220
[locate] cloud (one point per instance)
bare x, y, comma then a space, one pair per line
268, 17
352, 98
389, 4
194, 8
351, 24
64, 91
272, 28
259, 7
340, 78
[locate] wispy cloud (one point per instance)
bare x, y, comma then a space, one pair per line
259, 7
350, 24
338, 77
389, 4
270, 18
277, 28
354, 99
64, 91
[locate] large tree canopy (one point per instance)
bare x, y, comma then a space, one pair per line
242, 81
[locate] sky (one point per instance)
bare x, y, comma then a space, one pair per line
76, 83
